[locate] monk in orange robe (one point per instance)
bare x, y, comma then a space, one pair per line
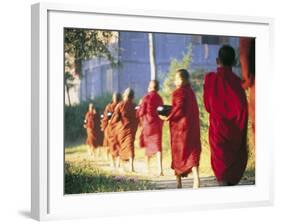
226, 102
152, 125
184, 130
124, 117
109, 129
247, 61
90, 125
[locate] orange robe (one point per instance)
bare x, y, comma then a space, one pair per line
89, 125
124, 117
97, 130
111, 131
105, 123
247, 61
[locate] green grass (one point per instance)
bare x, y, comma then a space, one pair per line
86, 178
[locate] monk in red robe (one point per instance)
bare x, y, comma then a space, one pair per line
247, 61
124, 117
184, 129
110, 139
226, 102
90, 125
152, 125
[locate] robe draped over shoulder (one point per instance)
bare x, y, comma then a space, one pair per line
226, 102
125, 119
105, 126
184, 131
151, 123
94, 135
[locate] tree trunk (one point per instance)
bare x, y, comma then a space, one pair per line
68, 96
153, 69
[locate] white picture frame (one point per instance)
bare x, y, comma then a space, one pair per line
48, 201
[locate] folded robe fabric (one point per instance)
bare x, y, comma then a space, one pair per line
184, 130
226, 102
247, 61
125, 121
111, 131
105, 123
152, 125
92, 135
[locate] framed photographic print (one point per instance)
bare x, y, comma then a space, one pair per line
148, 111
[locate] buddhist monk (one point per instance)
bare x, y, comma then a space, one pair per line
109, 131
89, 125
124, 117
226, 102
152, 125
247, 61
184, 130
140, 125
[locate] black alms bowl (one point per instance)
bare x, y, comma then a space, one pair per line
164, 110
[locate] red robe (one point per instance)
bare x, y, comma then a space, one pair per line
247, 61
225, 100
151, 123
124, 117
185, 131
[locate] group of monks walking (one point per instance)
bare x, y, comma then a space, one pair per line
225, 101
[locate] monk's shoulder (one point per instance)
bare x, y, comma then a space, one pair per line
208, 77
119, 106
179, 92
152, 96
146, 97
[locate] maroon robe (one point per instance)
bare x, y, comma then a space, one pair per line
184, 130
151, 123
225, 100
124, 117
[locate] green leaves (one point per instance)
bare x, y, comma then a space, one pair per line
168, 84
84, 44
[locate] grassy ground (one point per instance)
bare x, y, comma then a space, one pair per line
84, 174
87, 178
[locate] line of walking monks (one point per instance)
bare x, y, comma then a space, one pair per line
224, 100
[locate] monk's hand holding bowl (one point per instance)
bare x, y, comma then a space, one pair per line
164, 118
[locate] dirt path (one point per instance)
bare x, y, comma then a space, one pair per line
160, 182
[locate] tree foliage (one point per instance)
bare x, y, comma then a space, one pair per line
168, 84
83, 44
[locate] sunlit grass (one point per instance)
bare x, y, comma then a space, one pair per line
82, 176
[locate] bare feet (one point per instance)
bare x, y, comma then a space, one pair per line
179, 185
196, 183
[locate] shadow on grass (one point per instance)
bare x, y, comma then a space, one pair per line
73, 144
